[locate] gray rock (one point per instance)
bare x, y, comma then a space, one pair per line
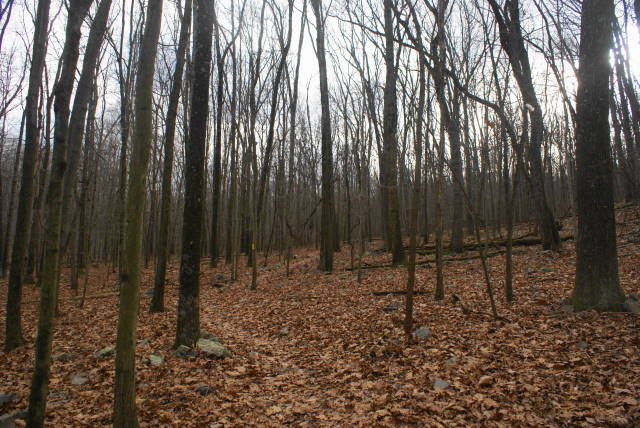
284, 331
79, 378
7, 421
145, 342
422, 333
547, 269
440, 384
107, 352
583, 345
631, 305
452, 361
21, 414
63, 358
206, 335
7, 398
182, 351
204, 390
155, 360
212, 348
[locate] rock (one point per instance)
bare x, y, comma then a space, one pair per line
582, 345
567, 309
547, 269
452, 361
63, 358
485, 381
79, 378
7, 398
145, 342
205, 390
440, 384
422, 333
7, 421
284, 331
107, 352
182, 351
632, 305
21, 414
206, 335
392, 307
155, 360
212, 348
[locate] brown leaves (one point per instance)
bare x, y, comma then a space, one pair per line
343, 361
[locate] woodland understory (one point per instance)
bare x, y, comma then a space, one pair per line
318, 349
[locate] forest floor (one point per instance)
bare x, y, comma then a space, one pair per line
322, 350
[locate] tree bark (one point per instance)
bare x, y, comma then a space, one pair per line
389, 140
49, 276
597, 284
13, 322
124, 406
188, 324
79, 112
327, 223
157, 300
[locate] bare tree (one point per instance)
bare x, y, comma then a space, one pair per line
13, 323
124, 407
597, 284
188, 324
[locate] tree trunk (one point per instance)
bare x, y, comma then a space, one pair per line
124, 407
13, 323
157, 300
327, 223
597, 284
415, 201
8, 236
513, 43
389, 140
49, 277
188, 324
79, 112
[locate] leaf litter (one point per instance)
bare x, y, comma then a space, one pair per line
322, 350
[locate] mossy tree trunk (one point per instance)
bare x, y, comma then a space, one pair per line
124, 406
49, 276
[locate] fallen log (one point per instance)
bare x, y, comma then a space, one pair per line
399, 293
520, 242
430, 261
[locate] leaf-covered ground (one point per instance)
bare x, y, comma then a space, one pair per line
322, 350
